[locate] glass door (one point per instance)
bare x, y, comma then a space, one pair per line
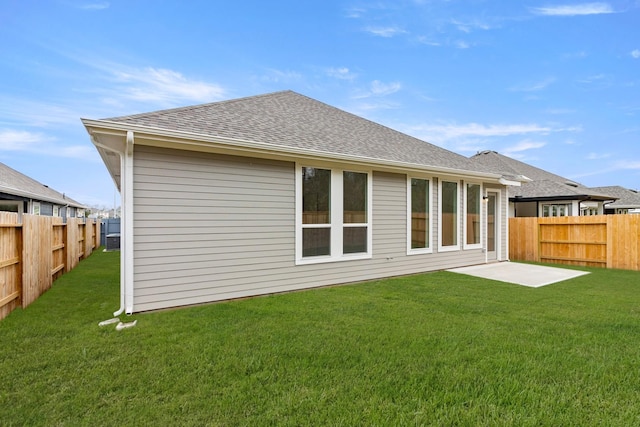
492, 226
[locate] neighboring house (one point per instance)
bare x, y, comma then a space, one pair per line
280, 192
628, 200
21, 194
543, 194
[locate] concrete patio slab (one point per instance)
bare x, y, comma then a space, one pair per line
530, 275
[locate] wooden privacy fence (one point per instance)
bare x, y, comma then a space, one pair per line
610, 241
38, 251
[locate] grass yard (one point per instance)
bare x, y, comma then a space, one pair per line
432, 349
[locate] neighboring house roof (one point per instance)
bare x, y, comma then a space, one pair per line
542, 185
289, 122
627, 198
17, 184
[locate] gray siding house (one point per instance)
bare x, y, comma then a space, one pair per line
542, 193
280, 192
628, 200
22, 194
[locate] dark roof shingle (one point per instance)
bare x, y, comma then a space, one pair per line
17, 184
543, 184
291, 120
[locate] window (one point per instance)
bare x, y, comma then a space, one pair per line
449, 213
354, 217
556, 210
472, 222
333, 214
36, 208
56, 210
10, 206
418, 216
316, 214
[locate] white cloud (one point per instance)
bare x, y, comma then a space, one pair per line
467, 27
478, 130
427, 41
598, 156
355, 12
559, 111
385, 31
381, 89
362, 108
23, 112
95, 6
575, 9
627, 165
342, 73
276, 76
20, 140
163, 85
576, 55
461, 44
534, 87
39, 143
523, 146
477, 137
635, 53
378, 89
597, 81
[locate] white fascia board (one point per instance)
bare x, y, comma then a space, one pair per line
505, 181
146, 135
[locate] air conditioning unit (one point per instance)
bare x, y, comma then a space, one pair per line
113, 242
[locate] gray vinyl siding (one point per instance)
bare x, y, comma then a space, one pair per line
212, 227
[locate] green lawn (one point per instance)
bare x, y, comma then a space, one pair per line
432, 349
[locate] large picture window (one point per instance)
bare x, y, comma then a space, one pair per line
333, 214
418, 218
472, 215
449, 215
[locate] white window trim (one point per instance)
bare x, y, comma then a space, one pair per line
429, 249
467, 246
35, 208
336, 224
568, 209
459, 205
498, 226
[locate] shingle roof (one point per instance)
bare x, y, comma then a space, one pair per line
543, 184
288, 119
15, 183
627, 198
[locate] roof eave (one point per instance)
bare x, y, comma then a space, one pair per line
146, 135
39, 197
581, 198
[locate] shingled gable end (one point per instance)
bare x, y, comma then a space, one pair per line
280, 192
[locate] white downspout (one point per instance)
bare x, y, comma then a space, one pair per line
126, 255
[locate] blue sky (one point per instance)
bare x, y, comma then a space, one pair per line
554, 84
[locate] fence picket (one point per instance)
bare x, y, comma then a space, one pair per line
611, 241
36, 252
